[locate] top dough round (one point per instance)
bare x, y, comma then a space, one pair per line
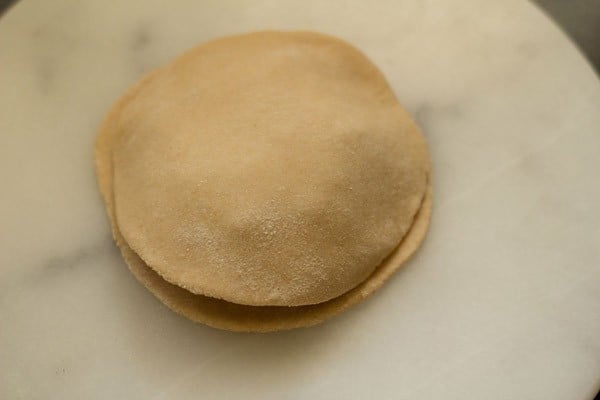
271, 168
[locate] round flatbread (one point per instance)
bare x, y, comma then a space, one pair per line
257, 181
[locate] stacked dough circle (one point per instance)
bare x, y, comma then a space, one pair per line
264, 181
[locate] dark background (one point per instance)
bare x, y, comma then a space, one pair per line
579, 19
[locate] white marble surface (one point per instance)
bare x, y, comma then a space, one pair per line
503, 301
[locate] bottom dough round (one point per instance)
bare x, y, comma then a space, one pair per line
235, 317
